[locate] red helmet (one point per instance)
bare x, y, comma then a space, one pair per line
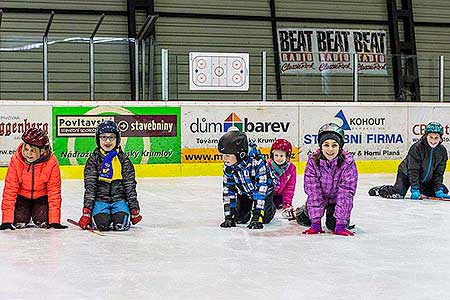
36, 137
283, 145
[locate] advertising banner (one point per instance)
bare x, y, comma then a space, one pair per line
204, 125
149, 135
419, 117
319, 51
14, 120
371, 133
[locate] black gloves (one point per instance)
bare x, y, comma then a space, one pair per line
56, 226
255, 223
257, 219
229, 222
5, 226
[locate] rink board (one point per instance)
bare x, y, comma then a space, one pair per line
165, 139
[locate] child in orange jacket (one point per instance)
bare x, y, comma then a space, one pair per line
32, 188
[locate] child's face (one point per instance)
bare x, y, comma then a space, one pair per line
279, 156
108, 141
330, 149
30, 153
229, 159
433, 139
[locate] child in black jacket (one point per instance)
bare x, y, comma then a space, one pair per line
423, 168
110, 198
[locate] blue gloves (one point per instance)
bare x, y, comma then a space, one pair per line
440, 194
415, 193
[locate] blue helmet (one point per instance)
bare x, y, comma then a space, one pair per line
434, 127
107, 127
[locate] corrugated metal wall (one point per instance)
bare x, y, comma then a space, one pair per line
184, 35
218, 36
333, 9
254, 36
21, 67
21, 71
94, 5
217, 7
431, 11
431, 43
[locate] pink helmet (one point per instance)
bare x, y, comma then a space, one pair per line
36, 137
283, 145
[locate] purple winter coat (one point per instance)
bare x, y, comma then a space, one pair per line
328, 183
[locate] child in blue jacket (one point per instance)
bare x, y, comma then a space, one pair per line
247, 183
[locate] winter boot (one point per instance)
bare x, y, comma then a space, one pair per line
389, 192
288, 213
20, 225
375, 191
301, 215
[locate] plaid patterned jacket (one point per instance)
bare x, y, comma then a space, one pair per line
250, 177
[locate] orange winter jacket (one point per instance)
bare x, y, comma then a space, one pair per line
32, 181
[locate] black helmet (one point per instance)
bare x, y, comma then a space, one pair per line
331, 131
234, 142
107, 127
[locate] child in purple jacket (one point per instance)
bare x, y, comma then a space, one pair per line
330, 183
285, 174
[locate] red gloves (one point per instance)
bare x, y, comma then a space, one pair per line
314, 229
135, 216
85, 220
341, 229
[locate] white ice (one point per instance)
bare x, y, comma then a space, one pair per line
401, 250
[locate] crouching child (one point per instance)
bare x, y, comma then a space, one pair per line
247, 183
110, 198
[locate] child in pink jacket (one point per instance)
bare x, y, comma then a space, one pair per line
285, 174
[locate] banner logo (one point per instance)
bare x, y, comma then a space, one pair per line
232, 121
128, 125
341, 116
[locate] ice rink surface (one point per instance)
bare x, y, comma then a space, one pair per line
401, 250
